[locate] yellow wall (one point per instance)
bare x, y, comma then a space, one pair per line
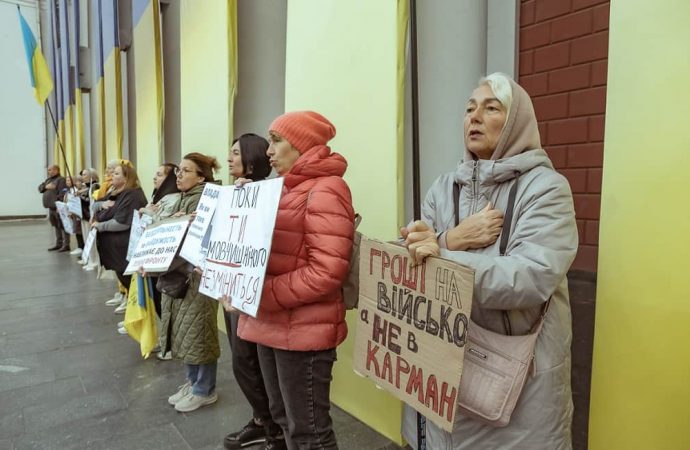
641, 369
113, 112
206, 78
345, 65
148, 116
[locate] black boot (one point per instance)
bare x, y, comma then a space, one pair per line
57, 246
251, 434
275, 444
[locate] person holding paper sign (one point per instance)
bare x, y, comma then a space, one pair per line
188, 324
73, 185
164, 202
503, 159
301, 316
113, 223
247, 159
166, 195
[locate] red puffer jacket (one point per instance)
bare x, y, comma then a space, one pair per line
301, 305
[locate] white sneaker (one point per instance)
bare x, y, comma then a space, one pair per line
76, 251
115, 301
122, 330
193, 402
121, 324
181, 393
167, 356
81, 262
122, 308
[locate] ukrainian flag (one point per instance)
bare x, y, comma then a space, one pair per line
38, 68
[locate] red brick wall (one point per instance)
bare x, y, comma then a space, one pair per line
563, 62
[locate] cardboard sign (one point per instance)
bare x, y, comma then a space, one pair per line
240, 243
88, 246
74, 205
412, 327
158, 246
66, 220
136, 230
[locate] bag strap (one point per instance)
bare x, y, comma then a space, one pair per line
508, 218
505, 235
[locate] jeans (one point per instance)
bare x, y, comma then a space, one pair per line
245, 367
202, 377
298, 385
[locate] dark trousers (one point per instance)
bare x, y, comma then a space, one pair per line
61, 236
245, 367
124, 279
156, 296
80, 240
298, 386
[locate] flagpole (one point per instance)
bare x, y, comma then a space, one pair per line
57, 136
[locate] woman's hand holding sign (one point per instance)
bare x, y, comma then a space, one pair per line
420, 240
227, 304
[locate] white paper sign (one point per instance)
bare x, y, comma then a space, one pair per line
88, 246
240, 243
193, 248
74, 205
158, 246
64, 217
136, 230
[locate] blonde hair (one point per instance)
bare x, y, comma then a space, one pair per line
130, 174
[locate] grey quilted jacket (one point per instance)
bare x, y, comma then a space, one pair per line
189, 325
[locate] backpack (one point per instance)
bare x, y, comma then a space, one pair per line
351, 285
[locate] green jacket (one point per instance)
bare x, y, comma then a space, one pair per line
189, 325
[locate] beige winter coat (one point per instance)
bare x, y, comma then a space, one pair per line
542, 245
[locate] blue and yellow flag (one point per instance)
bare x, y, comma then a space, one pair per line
140, 315
38, 68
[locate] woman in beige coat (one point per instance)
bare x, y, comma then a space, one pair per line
502, 147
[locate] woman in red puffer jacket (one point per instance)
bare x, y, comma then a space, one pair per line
301, 318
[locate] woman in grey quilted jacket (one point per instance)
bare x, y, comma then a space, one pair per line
188, 324
502, 147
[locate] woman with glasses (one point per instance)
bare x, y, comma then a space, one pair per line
189, 329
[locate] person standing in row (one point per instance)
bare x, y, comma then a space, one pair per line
248, 160
189, 328
51, 189
301, 317
113, 223
519, 278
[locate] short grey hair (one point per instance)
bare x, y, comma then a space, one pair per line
500, 85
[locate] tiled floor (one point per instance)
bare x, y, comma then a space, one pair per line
68, 380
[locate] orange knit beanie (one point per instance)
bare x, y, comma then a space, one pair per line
304, 129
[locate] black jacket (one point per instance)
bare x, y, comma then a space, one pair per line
50, 196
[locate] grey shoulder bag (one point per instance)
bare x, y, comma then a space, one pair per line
496, 366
